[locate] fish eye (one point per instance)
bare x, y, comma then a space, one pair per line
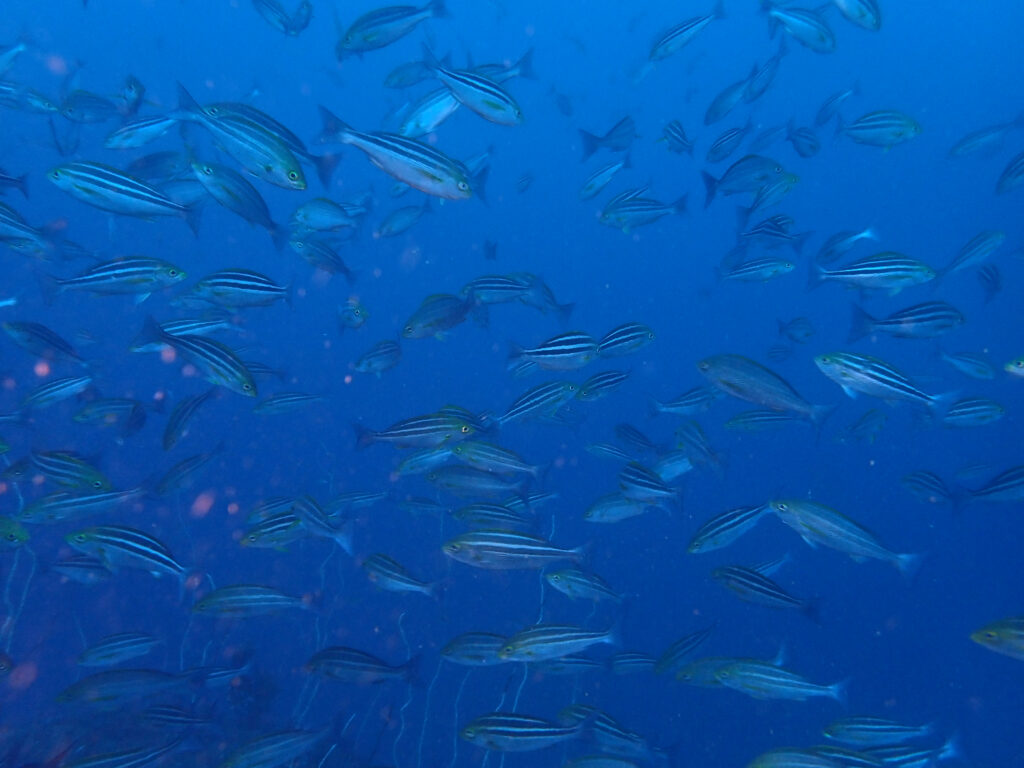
556, 577
453, 547
11, 537
463, 186
293, 175
781, 507
97, 483
1018, 363
172, 272
55, 174
464, 429
246, 386
991, 635
407, 330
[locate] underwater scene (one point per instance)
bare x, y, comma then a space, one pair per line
492, 384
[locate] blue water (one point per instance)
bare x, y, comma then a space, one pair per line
903, 644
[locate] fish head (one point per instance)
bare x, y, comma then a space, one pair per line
1015, 367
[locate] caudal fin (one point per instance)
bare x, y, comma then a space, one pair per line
710, 187
591, 144
861, 323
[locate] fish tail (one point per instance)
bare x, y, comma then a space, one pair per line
279, 235
325, 165
186, 103
334, 128
21, 184
564, 311
591, 144
838, 691
191, 215
525, 65
679, 206
908, 564
861, 323
364, 435
479, 183
719, 10
710, 187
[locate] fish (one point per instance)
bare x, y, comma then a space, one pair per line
118, 546
884, 128
110, 189
138, 275
477, 92
747, 380
973, 412
874, 731
576, 583
747, 175
754, 586
392, 576
230, 189
817, 524
921, 321
725, 528
676, 38
565, 352
508, 732
383, 26
601, 178
114, 649
553, 641
505, 550
864, 13
412, 162
246, 600
349, 665
860, 374
888, 271
1005, 636
805, 26
762, 680
675, 138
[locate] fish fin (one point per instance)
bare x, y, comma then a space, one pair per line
140, 297
325, 165
564, 311
50, 287
186, 103
478, 183
710, 187
861, 323
679, 206
438, 9
591, 144
850, 393
838, 691
908, 564
525, 65
333, 127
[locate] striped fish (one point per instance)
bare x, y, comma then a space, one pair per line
889, 271
137, 275
129, 758
428, 431
674, 39
220, 365
113, 649
696, 400
601, 384
627, 338
542, 400
40, 341
286, 402
674, 655
806, 27
752, 585
506, 550
921, 321
884, 128
509, 732
262, 153
1012, 175
576, 583
727, 143
674, 136
495, 517
493, 458
874, 731
245, 600
69, 470
763, 680
181, 415
383, 26
119, 546
927, 486
565, 352
353, 666
388, 574
412, 162
643, 485
630, 662
475, 649
112, 190
477, 92
870, 376
238, 288
58, 507
1006, 486
973, 412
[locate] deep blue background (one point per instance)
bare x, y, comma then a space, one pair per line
904, 645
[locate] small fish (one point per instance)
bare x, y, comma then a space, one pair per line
975, 366
748, 174
138, 275
475, 649
870, 376
507, 732
580, 584
805, 26
503, 550
864, 13
674, 136
383, 26
565, 352
839, 244
118, 648
673, 657
477, 92
382, 356
392, 576
1005, 636
761, 680
352, 314
415, 163
818, 524
349, 665
675, 39
1012, 175
883, 129
123, 547
889, 271
725, 528
921, 321
246, 600
928, 487
601, 384
973, 412
600, 178
743, 378
553, 641
754, 586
